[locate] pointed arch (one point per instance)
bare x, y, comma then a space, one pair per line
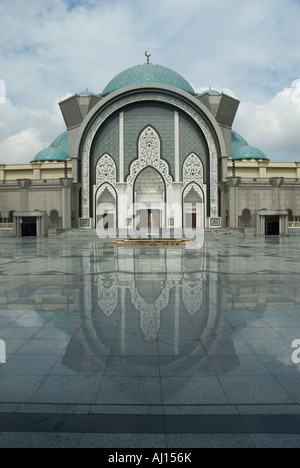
104, 187
149, 154
197, 189
106, 171
193, 170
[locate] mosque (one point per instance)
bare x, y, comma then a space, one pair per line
149, 153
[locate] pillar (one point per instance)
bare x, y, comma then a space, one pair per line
121, 147
177, 147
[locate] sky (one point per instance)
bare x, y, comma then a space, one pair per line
52, 49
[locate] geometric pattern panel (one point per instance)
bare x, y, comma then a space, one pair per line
193, 170
149, 155
197, 189
106, 171
147, 97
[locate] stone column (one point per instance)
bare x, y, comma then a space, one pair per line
177, 147
263, 165
233, 183
2, 167
121, 147
121, 207
297, 170
36, 170
67, 185
175, 204
24, 184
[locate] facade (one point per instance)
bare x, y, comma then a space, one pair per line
149, 153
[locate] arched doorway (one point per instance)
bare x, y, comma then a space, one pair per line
193, 207
106, 212
149, 197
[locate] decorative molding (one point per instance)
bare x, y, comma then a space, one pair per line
106, 171
150, 313
197, 189
192, 295
103, 187
108, 297
193, 170
149, 155
148, 97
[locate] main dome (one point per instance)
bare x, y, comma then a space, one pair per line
147, 73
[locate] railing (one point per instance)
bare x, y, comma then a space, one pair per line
6, 226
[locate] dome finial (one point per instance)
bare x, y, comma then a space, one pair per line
148, 57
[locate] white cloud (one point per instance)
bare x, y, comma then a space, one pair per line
24, 132
274, 126
53, 47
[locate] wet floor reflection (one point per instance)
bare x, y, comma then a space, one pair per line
159, 317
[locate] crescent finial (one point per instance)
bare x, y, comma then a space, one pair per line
148, 57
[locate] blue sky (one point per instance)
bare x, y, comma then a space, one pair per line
50, 49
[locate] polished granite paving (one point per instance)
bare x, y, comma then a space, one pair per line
97, 329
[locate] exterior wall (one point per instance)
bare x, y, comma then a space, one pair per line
107, 141
59, 196
161, 112
265, 169
34, 171
242, 198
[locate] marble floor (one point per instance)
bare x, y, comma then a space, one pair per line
97, 329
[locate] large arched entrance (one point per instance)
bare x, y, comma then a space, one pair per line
149, 197
106, 208
193, 207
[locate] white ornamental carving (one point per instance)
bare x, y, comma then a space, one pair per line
193, 170
108, 298
104, 187
149, 155
149, 97
192, 295
196, 188
106, 171
150, 313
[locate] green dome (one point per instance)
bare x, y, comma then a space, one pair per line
61, 142
86, 93
211, 92
51, 154
148, 73
237, 139
241, 150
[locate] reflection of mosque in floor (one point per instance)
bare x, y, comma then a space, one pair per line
188, 308
149, 152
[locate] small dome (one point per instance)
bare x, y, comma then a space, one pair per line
237, 139
248, 152
86, 93
241, 150
211, 92
61, 142
148, 73
51, 154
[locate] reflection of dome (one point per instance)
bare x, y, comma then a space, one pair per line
148, 73
241, 150
51, 154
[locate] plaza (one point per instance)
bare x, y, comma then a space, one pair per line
149, 346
